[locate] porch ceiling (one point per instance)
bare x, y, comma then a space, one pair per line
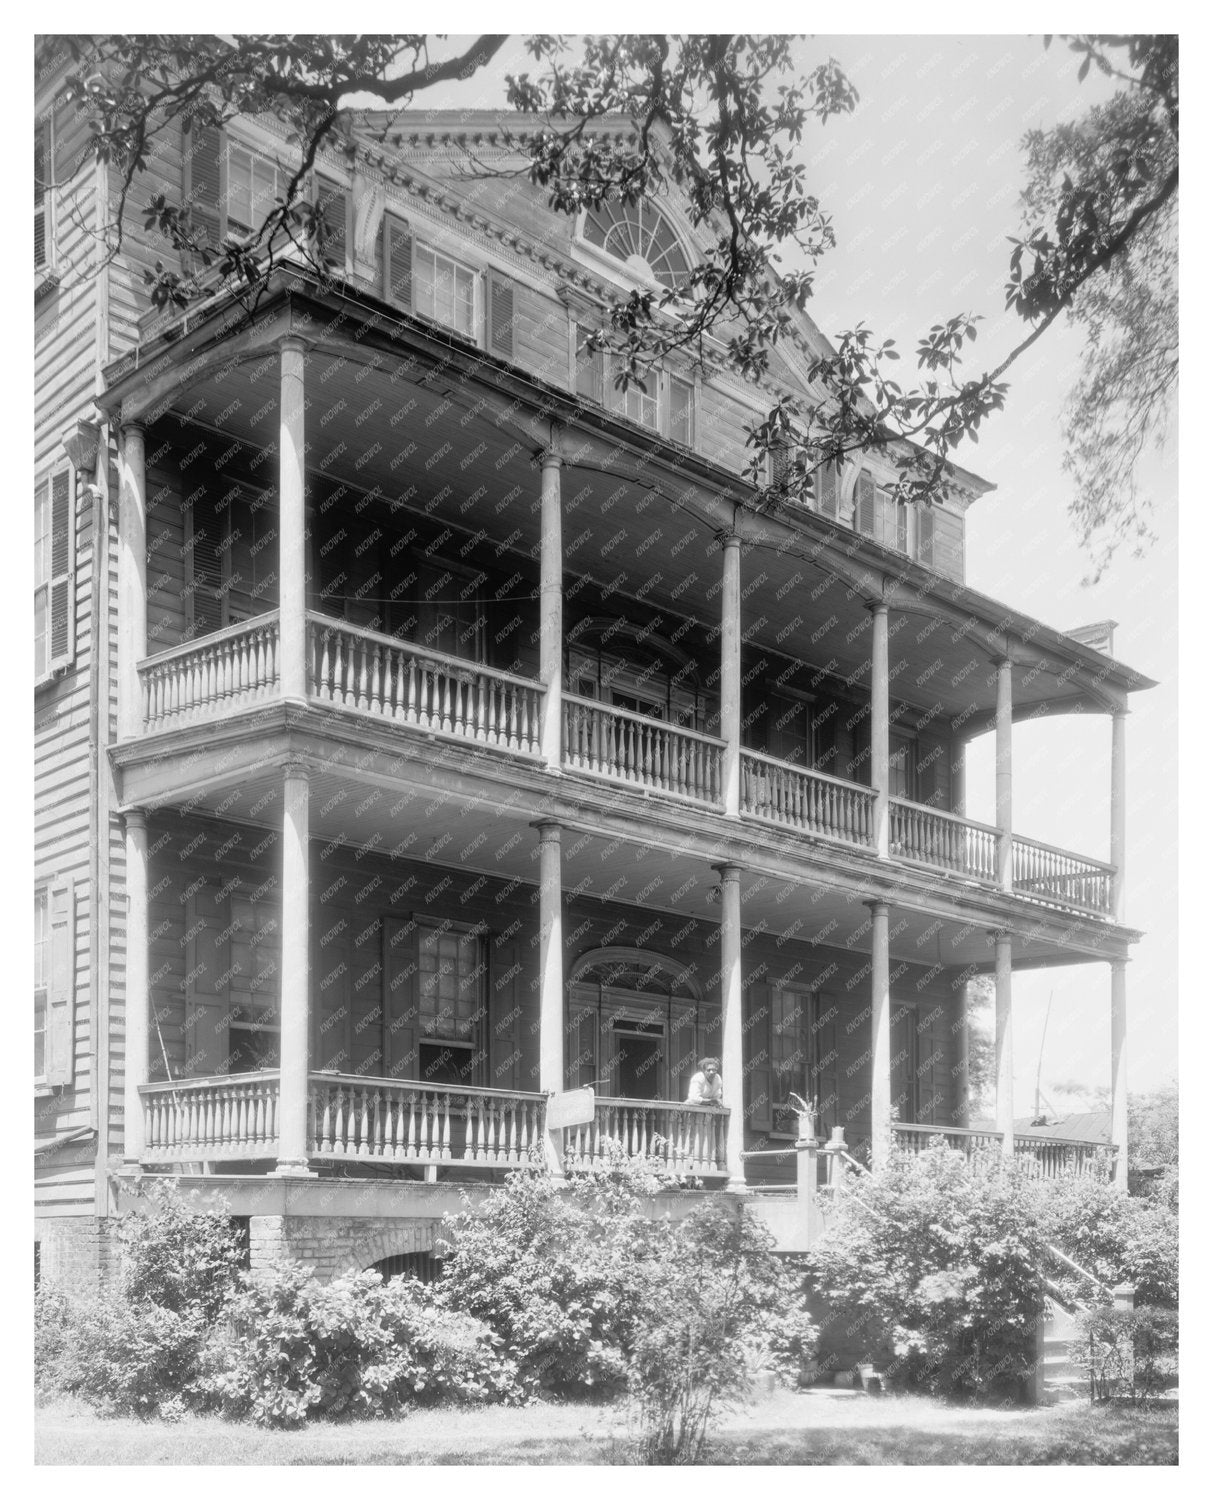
439, 442
471, 835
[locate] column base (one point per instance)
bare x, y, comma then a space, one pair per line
736, 1185
293, 1169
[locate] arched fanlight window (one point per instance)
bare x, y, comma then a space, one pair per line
637, 233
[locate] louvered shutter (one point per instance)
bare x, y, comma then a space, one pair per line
504, 989
588, 365
865, 505
781, 462
204, 559
334, 205
501, 315
332, 980
584, 1064
62, 583
61, 990
398, 263
899, 524
758, 1079
826, 480
926, 536
682, 411
823, 1084
207, 984
400, 992
202, 179
41, 176
903, 1037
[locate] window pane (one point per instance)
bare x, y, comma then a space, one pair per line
239, 189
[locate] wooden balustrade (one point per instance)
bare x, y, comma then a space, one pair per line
1042, 873
1045, 1156
211, 1119
212, 676
686, 1139
385, 1120
629, 747
805, 800
397, 680
927, 836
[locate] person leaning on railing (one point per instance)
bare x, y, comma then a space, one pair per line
706, 1086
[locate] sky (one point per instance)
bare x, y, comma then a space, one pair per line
922, 183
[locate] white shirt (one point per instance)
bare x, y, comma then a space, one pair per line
705, 1090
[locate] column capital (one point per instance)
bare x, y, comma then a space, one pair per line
130, 426
727, 871
878, 904
551, 458
292, 343
1119, 964
1122, 712
728, 540
877, 607
999, 934
135, 817
549, 830
297, 769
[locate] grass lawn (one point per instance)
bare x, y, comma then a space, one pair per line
784, 1428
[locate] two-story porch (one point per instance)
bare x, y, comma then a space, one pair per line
382, 595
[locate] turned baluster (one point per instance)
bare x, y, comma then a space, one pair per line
411, 1151
364, 1133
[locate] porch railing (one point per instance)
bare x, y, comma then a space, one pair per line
629, 747
805, 800
407, 684
215, 675
379, 1119
928, 836
211, 1119
1048, 1156
1042, 873
686, 1139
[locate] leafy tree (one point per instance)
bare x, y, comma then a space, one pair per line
979, 1008
721, 117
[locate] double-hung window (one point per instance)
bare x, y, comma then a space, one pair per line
253, 185
665, 404
879, 516
451, 1004
445, 291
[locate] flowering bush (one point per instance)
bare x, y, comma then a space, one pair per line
295, 1348
1134, 1354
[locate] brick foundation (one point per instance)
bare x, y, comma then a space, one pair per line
333, 1245
75, 1253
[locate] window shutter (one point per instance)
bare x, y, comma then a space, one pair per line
398, 263
332, 976
501, 316
826, 480
400, 992
682, 411
582, 1056
205, 574
926, 536
208, 970
333, 202
903, 1038
41, 176
61, 990
505, 1064
865, 504
758, 1063
823, 1084
900, 520
588, 367
781, 462
63, 567
202, 186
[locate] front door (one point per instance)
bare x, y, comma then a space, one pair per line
639, 1062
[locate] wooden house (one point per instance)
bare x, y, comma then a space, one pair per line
426, 728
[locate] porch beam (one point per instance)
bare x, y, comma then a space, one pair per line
730, 675
293, 1095
551, 981
880, 727
132, 580
1002, 774
1004, 1062
882, 1080
1120, 1073
137, 1003
732, 1058
551, 608
292, 528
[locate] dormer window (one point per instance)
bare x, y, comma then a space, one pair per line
879, 516
445, 291
639, 236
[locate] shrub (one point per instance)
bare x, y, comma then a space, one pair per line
177, 1258
293, 1349
940, 1255
716, 1307
1133, 1354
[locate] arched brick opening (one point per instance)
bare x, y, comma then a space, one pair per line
407, 1238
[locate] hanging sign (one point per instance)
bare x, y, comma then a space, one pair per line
572, 1107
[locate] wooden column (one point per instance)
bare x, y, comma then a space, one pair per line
882, 1081
1117, 833
132, 581
138, 1004
293, 1095
732, 1055
292, 525
1002, 773
730, 674
551, 607
1004, 1061
551, 981
880, 726
1120, 1074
